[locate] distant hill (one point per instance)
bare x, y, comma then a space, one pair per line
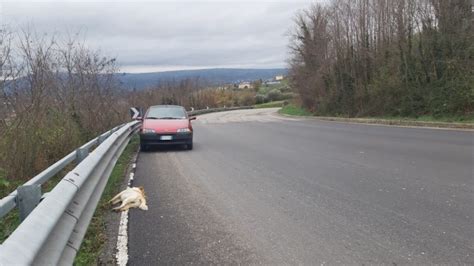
208, 76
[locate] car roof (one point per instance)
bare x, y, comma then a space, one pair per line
166, 106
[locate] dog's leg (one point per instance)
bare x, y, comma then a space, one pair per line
121, 206
125, 205
116, 199
124, 208
132, 203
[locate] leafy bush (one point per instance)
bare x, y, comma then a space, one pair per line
259, 99
274, 95
246, 99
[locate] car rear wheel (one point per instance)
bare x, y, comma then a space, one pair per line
189, 146
143, 147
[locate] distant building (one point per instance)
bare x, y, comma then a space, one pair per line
279, 78
245, 85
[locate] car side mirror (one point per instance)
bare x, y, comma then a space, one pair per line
192, 118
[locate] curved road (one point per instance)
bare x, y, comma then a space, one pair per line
263, 189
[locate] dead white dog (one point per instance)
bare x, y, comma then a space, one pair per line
131, 197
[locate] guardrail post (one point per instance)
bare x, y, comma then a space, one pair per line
81, 154
27, 198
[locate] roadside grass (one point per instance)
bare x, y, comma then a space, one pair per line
270, 104
294, 110
466, 122
6, 186
11, 221
8, 224
96, 237
430, 118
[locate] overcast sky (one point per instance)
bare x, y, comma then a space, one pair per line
166, 35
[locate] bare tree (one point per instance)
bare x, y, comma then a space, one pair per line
60, 93
382, 57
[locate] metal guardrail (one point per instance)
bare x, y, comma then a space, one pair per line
52, 233
213, 110
9, 202
52, 229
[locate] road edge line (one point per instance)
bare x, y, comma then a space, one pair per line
122, 240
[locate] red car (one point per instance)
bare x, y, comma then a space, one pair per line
165, 125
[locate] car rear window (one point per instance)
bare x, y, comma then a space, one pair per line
167, 113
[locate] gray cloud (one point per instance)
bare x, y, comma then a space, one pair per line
163, 35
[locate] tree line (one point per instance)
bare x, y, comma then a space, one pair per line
385, 57
192, 93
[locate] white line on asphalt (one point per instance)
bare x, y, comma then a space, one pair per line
130, 181
122, 240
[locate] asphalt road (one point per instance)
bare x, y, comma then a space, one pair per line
263, 189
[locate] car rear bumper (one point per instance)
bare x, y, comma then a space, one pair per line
156, 139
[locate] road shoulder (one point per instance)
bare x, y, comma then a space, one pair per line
390, 122
112, 223
180, 227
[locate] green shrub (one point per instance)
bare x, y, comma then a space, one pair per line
274, 95
294, 110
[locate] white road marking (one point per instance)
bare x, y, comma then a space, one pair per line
122, 240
